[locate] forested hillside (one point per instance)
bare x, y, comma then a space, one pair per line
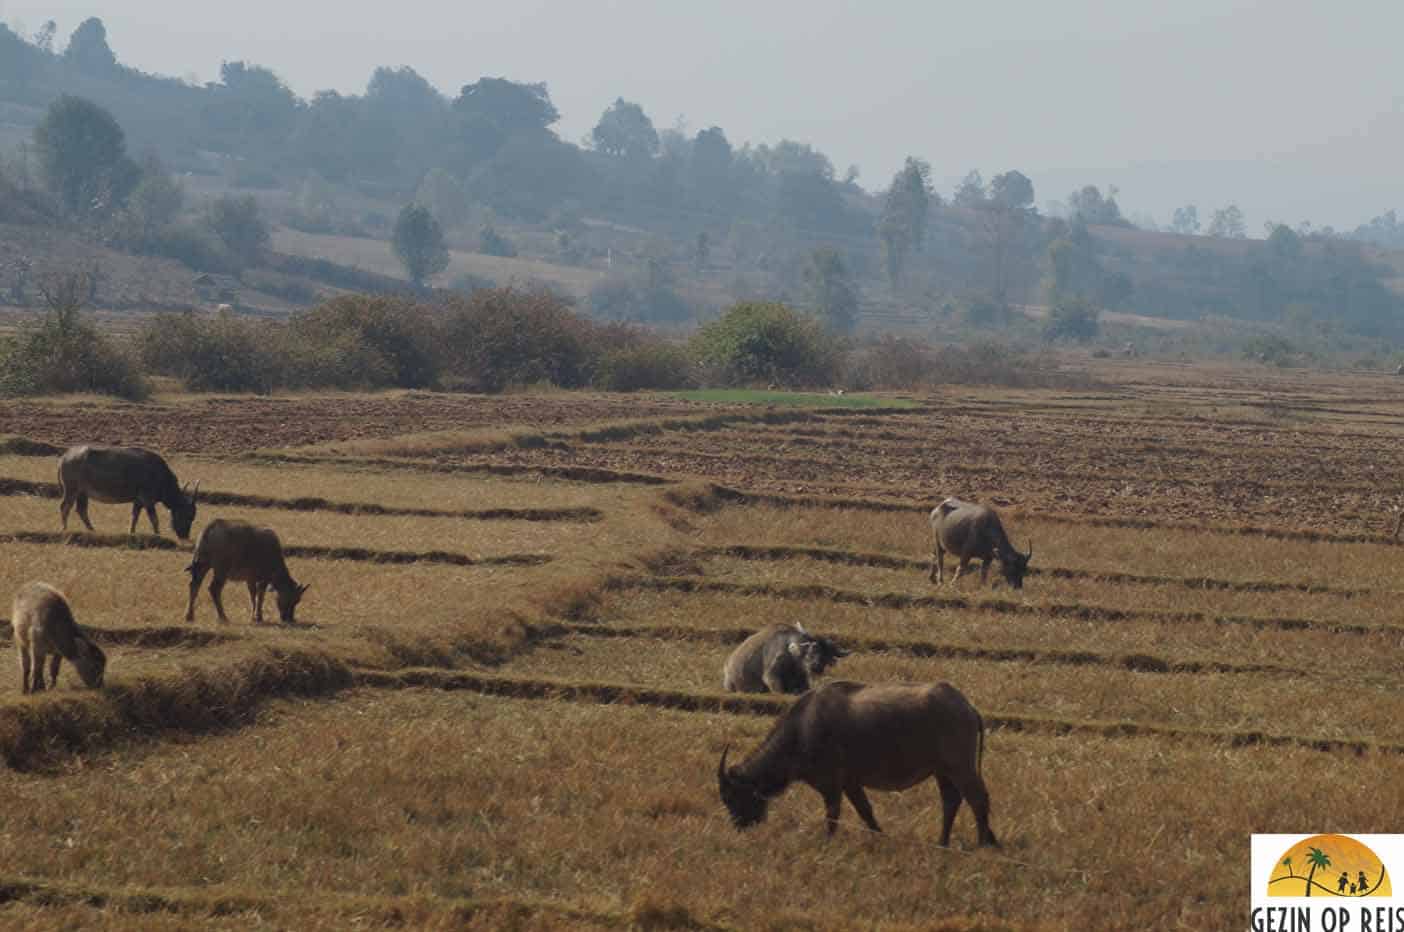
671, 224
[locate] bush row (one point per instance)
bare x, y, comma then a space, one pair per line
489, 341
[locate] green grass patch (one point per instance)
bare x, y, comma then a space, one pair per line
747, 396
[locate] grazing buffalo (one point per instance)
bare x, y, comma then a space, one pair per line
44, 630
974, 532
124, 474
779, 659
843, 738
241, 551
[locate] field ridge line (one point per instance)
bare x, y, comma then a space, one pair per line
891, 561
1137, 663
1092, 613
17, 487
604, 693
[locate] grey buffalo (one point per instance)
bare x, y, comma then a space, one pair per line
238, 550
46, 632
120, 475
779, 659
974, 532
844, 738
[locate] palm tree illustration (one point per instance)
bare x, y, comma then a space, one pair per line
1287, 863
1316, 858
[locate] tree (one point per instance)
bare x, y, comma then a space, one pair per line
152, 206
83, 155
511, 107
1186, 220
971, 190
1012, 190
831, 289
768, 343
1088, 205
442, 194
710, 166
419, 243
1228, 222
905, 209
1003, 214
1283, 243
239, 225
1316, 858
1073, 318
625, 131
88, 50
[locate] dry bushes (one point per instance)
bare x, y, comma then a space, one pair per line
891, 362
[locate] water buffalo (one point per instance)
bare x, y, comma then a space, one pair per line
238, 550
844, 737
124, 474
972, 532
46, 630
779, 659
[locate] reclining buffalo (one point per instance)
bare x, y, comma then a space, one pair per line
779, 659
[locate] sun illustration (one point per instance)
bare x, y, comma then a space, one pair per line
1328, 865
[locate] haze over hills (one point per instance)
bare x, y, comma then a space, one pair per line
641, 221
1279, 107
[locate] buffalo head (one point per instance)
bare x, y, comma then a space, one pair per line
745, 803
287, 601
183, 511
1015, 566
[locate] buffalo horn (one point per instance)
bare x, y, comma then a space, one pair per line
1029, 555
721, 768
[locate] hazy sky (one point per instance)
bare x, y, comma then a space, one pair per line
1294, 110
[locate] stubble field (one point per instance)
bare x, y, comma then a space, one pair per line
501, 706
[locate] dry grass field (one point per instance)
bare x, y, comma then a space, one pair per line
501, 706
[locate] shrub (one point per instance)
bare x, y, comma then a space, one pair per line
493, 243
1073, 319
769, 343
224, 353
64, 353
397, 330
890, 362
652, 364
194, 248
499, 337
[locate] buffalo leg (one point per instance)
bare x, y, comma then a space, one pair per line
833, 803
36, 665
197, 575
54, 661
217, 594
960, 568
155, 521
950, 804
973, 788
859, 799
25, 684
256, 601
65, 507
136, 513
83, 512
984, 572
938, 566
